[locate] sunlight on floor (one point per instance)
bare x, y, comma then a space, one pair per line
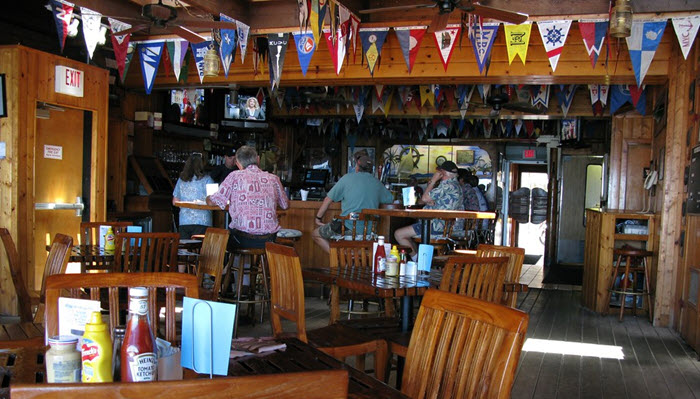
573, 348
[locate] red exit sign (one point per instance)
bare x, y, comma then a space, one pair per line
69, 81
528, 154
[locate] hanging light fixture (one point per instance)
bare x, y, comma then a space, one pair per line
211, 62
621, 19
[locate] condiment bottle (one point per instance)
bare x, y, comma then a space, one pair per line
138, 355
109, 239
62, 360
380, 256
394, 252
96, 351
402, 262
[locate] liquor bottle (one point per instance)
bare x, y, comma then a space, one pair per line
379, 256
138, 354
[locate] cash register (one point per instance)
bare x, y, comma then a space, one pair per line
315, 181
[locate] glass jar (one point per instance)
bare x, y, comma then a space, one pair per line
63, 361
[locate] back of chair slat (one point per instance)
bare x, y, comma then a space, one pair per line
286, 289
24, 302
351, 253
368, 223
463, 347
57, 260
211, 258
90, 231
477, 277
169, 282
516, 258
146, 252
326, 384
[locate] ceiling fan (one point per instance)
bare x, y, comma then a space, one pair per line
163, 16
445, 8
500, 99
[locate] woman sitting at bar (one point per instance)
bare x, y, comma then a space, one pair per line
192, 186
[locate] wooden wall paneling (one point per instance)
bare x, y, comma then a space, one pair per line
301, 216
630, 152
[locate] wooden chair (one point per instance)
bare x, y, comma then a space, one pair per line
70, 284
146, 252
364, 227
476, 277
516, 256
24, 301
90, 231
440, 241
463, 347
211, 261
287, 301
326, 384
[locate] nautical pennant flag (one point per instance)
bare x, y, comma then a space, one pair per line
337, 50
593, 33
379, 91
341, 41
565, 95
131, 49
686, 29
92, 28
277, 46
304, 7
120, 43
554, 35
386, 102
518, 126
523, 94
372, 42
620, 94
517, 40
376, 104
482, 37
198, 51
322, 9
306, 46
313, 20
62, 14
150, 53
483, 91
177, 50
445, 42
464, 95
642, 44
405, 95
354, 29
410, 38
227, 49
599, 93
542, 95
242, 30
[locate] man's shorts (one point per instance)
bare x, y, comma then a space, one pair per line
331, 229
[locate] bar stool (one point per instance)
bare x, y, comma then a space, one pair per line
288, 237
258, 290
631, 257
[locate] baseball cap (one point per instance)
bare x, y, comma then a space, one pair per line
230, 151
448, 166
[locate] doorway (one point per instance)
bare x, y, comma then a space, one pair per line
531, 236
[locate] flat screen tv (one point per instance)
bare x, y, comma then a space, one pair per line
244, 107
188, 101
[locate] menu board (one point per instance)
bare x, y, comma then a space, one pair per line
693, 205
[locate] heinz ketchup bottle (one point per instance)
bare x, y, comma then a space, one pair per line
138, 354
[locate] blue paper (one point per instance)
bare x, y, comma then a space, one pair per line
134, 229
425, 257
211, 336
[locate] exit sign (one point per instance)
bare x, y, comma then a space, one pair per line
528, 154
69, 81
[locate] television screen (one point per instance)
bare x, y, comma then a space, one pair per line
189, 101
316, 177
244, 107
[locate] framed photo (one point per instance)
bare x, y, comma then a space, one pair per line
465, 157
3, 97
569, 130
367, 150
662, 155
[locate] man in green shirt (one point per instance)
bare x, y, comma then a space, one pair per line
355, 192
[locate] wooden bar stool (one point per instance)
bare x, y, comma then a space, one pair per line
258, 291
631, 257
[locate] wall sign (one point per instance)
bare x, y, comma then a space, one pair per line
69, 81
53, 151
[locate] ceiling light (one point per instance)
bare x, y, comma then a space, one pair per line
621, 19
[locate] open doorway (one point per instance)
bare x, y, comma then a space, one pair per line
531, 236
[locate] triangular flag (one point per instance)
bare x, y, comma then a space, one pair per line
303, 8
198, 51
518, 126
542, 96
306, 46
379, 91
177, 50
642, 44
337, 46
599, 93
686, 29
445, 42
131, 49
313, 20
242, 30
593, 34
565, 95
620, 94
517, 40
322, 9
120, 43
150, 53
277, 46
482, 37
227, 49
372, 42
410, 38
386, 102
92, 28
376, 104
354, 32
554, 35
62, 14
483, 91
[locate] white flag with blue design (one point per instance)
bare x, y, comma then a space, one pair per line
150, 53
554, 35
198, 51
642, 45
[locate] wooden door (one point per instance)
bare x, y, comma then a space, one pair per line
58, 180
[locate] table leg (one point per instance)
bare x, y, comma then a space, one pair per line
335, 304
425, 227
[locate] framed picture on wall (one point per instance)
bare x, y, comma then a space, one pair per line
3, 98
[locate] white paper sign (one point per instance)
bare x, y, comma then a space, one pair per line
69, 81
73, 314
53, 151
212, 188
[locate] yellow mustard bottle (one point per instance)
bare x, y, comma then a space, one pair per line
109, 240
395, 252
96, 351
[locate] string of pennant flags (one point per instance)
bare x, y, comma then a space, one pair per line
345, 29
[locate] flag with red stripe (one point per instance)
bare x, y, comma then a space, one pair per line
554, 35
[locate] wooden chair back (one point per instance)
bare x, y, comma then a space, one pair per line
97, 283
90, 231
463, 347
24, 302
477, 277
211, 260
516, 256
326, 384
286, 289
364, 226
57, 260
349, 253
146, 252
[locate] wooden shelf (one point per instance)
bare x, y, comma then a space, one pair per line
632, 237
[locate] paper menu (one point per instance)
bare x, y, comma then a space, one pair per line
409, 196
73, 314
206, 339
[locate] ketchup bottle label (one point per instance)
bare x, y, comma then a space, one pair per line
143, 367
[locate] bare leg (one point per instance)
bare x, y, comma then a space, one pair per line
320, 241
404, 236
